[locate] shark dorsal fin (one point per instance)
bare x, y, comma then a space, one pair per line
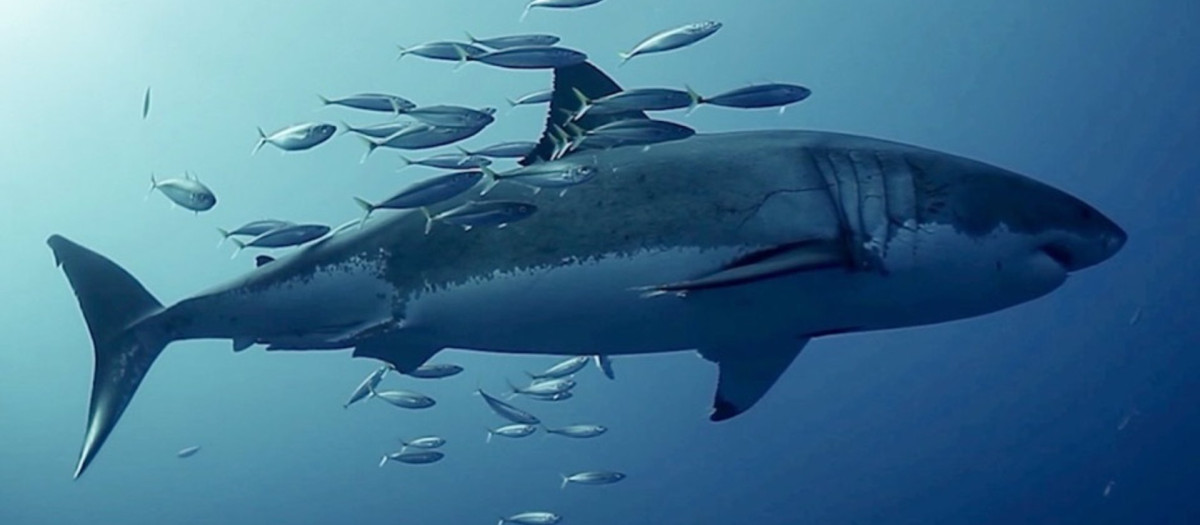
569, 82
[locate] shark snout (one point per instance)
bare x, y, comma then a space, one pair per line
1088, 241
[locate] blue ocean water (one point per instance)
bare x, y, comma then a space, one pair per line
1008, 418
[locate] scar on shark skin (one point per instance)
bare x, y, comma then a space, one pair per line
752, 210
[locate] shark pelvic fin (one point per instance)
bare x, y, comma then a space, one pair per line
745, 374
764, 264
242, 343
398, 350
116, 308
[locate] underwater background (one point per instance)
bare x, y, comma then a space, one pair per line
1008, 418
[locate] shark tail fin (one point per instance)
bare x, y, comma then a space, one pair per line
116, 308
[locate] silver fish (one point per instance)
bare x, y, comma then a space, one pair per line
296, 138
531, 518
537, 97
252, 228
640, 99
563, 368
558, 4
413, 458
561, 396
293, 235
435, 371
481, 213
595, 477
449, 161
451, 51
672, 39
505, 42
420, 136
756, 96
529, 57
452, 116
508, 411
578, 431
634, 132
364, 389
427, 443
426, 192
188, 452
404, 398
555, 174
380, 131
518, 430
187, 192
514, 149
371, 102
544, 387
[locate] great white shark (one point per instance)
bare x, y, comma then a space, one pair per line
743, 246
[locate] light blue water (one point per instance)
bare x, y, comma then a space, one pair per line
1008, 418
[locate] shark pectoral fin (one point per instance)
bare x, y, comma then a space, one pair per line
746, 373
764, 264
242, 343
398, 350
263, 260
604, 363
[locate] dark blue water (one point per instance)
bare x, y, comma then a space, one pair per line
1008, 418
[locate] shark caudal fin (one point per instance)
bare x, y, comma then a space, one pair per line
572, 85
115, 306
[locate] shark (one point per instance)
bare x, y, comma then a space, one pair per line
742, 246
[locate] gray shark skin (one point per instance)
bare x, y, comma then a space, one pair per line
749, 245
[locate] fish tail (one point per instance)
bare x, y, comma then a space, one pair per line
428, 220
524, 14
367, 207
324, 101
404, 162
371, 146
240, 246
343, 128
121, 317
565, 480
262, 141
403, 51
153, 186
463, 57
383, 461
464, 151
224, 235
624, 57
471, 38
696, 99
511, 103
493, 179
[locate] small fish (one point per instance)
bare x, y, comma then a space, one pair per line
561, 396
364, 389
756, 96
296, 138
188, 452
604, 363
518, 430
558, 175
557, 4
253, 228
380, 131
505, 42
672, 39
639, 99
481, 213
404, 398
453, 116
508, 411
435, 371
634, 132
529, 57
514, 149
421, 136
1108, 487
187, 192
293, 235
578, 431
594, 477
427, 443
426, 192
450, 51
413, 458
531, 518
146, 103
537, 97
449, 161
563, 368
371, 102
544, 387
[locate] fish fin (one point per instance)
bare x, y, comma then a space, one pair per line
403, 51
367, 209
471, 38
463, 57
747, 373
565, 480
696, 99
224, 235
761, 265
240, 246
262, 140
511, 103
153, 186
524, 14
493, 179
119, 314
324, 101
563, 193
404, 162
428, 220
464, 151
593, 84
242, 343
604, 363
371, 147
466, 227
263, 260
398, 350
343, 128
383, 461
